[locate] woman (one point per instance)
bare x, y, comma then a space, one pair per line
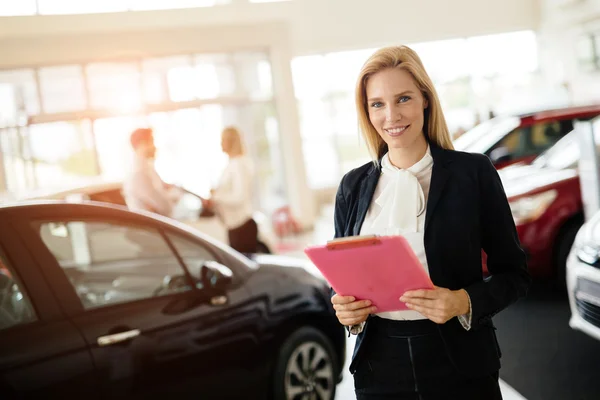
449, 205
232, 199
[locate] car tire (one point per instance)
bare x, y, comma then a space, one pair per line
564, 244
306, 363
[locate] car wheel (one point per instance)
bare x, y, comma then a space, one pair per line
306, 367
262, 248
565, 242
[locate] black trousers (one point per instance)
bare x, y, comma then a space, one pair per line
244, 238
405, 360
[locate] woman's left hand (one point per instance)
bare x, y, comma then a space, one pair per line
438, 304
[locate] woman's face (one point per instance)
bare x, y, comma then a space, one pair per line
396, 107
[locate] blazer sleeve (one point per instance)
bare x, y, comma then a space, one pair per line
506, 261
340, 211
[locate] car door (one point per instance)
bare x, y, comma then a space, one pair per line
151, 330
42, 354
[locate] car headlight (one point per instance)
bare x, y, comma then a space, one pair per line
530, 208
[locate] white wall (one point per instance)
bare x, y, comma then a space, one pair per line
315, 26
562, 23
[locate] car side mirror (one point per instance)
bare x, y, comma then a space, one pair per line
215, 276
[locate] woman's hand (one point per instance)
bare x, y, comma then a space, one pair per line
351, 312
438, 304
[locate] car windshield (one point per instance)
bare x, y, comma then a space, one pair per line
485, 135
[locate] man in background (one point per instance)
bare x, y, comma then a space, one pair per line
143, 188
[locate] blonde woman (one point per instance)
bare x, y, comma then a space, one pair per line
449, 205
232, 198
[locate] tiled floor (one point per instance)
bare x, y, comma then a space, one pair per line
322, 232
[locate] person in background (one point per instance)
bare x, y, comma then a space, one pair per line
143, 188
232, 198
449, 205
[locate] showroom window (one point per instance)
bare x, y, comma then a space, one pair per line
471, 75
88, 111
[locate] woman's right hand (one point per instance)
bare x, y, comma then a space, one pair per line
349, 311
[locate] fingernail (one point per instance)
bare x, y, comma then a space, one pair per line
402, 298
368, 303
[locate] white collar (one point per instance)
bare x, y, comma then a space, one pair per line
402, 201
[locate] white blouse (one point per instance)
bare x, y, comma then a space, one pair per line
233, 196
398, 208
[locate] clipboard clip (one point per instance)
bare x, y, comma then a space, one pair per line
352, 242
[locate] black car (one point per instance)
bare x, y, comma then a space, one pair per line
97, 302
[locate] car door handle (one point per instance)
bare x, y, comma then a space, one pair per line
118, 337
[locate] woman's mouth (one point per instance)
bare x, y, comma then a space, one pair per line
396, 131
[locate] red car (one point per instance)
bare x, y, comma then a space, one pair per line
545, 199
508, 140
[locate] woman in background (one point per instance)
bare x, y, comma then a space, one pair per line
232, 198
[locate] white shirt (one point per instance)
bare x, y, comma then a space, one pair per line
233, 196
398, 208
144, 190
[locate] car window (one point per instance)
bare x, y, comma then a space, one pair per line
535, 139
15, 307
193, 253
109, 263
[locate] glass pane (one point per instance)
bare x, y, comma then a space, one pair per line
115, 155
22, 87
63, 89
325, 173
155, 73
63, 153
495, 54
115, 87
80, 7
17, 170
21, 7
193, 254
111, 263
15, 307
254, 73
189, 147
211, 76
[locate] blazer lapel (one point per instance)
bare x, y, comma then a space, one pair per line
365, 195
439, 177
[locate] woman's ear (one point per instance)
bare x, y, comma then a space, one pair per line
425, 103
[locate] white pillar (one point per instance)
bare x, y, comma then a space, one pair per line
300, 196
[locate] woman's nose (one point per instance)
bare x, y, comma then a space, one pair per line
392, 114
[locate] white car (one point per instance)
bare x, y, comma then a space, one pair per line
188, 210
583, 279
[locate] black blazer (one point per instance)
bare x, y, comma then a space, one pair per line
467, 211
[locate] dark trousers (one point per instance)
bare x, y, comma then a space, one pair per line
244, 238
408, 360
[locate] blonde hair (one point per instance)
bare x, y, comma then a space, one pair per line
401, 57
234, 135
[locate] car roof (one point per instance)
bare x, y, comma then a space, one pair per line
560, 113
82, 188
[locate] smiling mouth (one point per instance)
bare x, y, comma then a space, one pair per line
397, 131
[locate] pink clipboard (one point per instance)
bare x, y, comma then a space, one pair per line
376, 268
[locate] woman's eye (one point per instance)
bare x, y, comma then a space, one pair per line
376, 104
403, 99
